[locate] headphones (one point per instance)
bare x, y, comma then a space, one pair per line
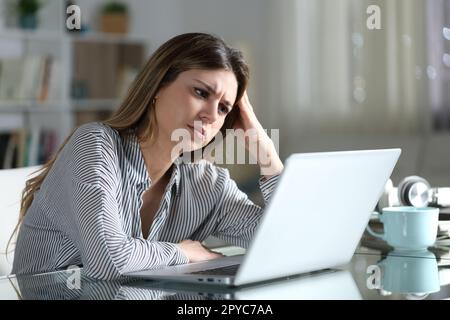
413, 191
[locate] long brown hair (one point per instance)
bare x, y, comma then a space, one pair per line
181, 53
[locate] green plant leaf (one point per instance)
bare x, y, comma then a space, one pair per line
115, 7
25, 7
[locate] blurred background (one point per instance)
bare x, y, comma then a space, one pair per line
319, 74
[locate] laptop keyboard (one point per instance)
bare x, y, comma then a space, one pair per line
222, 271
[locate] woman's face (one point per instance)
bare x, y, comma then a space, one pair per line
198, 102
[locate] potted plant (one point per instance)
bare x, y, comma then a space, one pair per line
114, 17
27, 13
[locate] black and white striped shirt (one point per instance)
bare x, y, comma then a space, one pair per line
87, 211
62, 286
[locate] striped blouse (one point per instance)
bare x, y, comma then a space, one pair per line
62, 286
87, 210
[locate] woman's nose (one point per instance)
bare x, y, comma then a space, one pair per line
209, 113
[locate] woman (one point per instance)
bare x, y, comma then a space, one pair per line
115, 199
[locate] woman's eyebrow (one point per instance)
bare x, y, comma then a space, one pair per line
213, 91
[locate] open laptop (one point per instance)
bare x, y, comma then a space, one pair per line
313, 221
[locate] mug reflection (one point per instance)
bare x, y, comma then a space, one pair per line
410, 272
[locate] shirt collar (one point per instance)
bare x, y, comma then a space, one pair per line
137, 172
136, 168
176, 174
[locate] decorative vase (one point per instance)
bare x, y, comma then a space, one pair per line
114, 23
28, 21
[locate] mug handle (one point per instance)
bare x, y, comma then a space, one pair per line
373, 233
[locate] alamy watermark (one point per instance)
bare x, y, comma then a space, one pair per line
224, 150
73, 19
73, 281
374, 279
374, 19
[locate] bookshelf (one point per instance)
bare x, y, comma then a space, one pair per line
52, 81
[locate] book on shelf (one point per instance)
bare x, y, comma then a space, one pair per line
22, 148
11, 121
30, 78
12, 149
11, 71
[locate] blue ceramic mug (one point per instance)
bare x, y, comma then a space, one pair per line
408, 228
410, 272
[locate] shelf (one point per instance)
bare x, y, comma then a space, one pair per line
39, 35
95, 104
58, 106
105, 37
54, 63
11, 122
32, 106
48, 35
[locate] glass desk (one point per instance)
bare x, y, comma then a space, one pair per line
373, 273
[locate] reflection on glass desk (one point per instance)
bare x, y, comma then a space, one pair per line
371, 274
399, 274
372, 245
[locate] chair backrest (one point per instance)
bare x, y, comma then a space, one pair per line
12, 182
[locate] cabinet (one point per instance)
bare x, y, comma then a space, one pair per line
53, 80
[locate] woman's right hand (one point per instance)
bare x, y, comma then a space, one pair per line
196, 252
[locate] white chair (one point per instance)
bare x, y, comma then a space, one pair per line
12, 182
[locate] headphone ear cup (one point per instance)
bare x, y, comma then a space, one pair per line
414, 191
386, 197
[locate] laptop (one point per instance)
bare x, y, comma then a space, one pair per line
321, 285
313, 221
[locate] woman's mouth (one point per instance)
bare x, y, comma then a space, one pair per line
198, 131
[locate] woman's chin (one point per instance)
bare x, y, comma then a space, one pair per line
193, 146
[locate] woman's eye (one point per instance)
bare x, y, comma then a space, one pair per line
223, 109
201, 93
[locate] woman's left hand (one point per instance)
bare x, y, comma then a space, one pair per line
257, 142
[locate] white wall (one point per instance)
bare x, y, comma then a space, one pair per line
261, 28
